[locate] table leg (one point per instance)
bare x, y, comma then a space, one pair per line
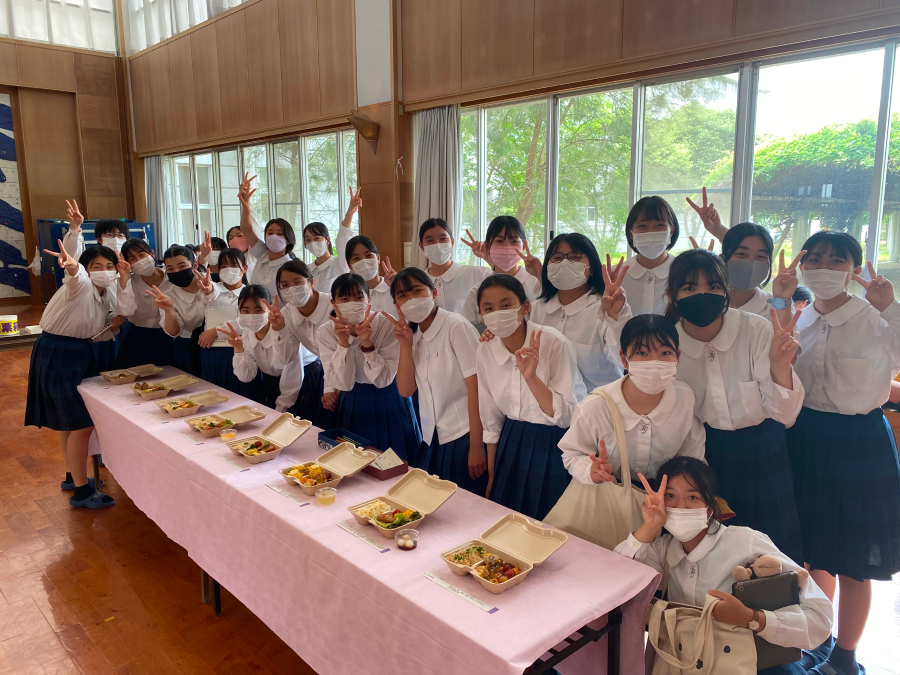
614, 644
204, 586
96, 461
587, 636
217, 598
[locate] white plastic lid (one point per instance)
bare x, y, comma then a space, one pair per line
518, 535
421, 492
286, 429
346, 459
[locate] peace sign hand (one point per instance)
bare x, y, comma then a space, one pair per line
244, 191
364, 329
355, 202
654, 507
234, 338
204, 249
785, 282
709, 217
527, 358
163, 301
402, 331
879, 291
341, 331
73, 215
710, 247
478, 247
276, 318
533, 264
389, 272
205, 280
783, 347
601, 469
613, 298
68, 263
124, 269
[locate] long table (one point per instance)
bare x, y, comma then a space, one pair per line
343, 603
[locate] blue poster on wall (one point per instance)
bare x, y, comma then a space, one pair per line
13, 263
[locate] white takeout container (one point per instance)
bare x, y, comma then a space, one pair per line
514, 539
179, 382
343, 460
111, 376
201, 399
285, 430
145, 371
417, 491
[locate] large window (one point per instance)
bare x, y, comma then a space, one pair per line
150, 21
87, 24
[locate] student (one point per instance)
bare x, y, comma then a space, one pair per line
61, 358
502, 249
145, 341
208, 254
255, 356
579, 299
181, 308
651, 230
437, 360
657, 411
360, 354
363, 258
802, 297
701, 553
303, 310
236, 239
451, 280
527, 379
109, 232
847, 477
273, 249
739, 368
327, 267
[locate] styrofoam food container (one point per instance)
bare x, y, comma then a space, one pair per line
281, 433
110, 376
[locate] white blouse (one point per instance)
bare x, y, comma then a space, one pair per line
73, 243
325, 274
261, 355
532, 286
77, 309
221, 296
345, 366
668, 430
730, 375
591, 331
503, 392
849, 356
189, 309
758, 304
444, 356
301, 330
380, 299
454, 285
645, 288
710, 566
137, 304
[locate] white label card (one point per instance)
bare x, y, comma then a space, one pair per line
363, 538
490, 609
191, 436
388, 460
159, 418
228, 458
285, 493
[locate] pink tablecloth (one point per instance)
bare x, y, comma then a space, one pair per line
340, 604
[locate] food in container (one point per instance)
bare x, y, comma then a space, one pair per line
180, 407
326, 496
211, 426
330, 468
371, 510
496, 570
253, 448
268, 445
123, 376
391, 520
310, 474
407, 540
149, 392
468, 556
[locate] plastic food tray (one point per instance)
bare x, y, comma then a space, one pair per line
111, 376
285, 430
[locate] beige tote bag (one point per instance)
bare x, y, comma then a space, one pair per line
604, 513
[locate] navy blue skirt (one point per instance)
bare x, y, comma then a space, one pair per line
269, 388
58, 365
217, 367
186, 353
847, 482
450, 461
529, 475
753, 469
141, 345
381, 415
104, 356
308, 405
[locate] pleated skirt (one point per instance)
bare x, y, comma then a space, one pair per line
450, 461
847, 482
144, 345
308, 405
269, 388
104, 356
186, 353
381, 415
529, 475
58, 365
217, 367
753, 470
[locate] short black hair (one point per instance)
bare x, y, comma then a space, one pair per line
433, 222
349, 286
504, 225
405, 278
177, 250
233, 256
232, 229
191, 247
506, 281
647, 330
802, 293
582, 244
320, 230
687, 268
218, 244
98, 251
133, 246
700, 476
839, 243
295, 266
736, 235
653, 208
289, 234
108, 225
359, 239
254, 292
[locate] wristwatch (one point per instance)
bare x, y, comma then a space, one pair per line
779, 303
754, 623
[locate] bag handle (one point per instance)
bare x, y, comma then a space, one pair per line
619, 429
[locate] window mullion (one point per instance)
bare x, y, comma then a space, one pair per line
552, 178
637, 142
270, 174
481, 171
744, 143
304, 191
876, 203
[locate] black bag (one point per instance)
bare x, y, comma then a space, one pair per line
770, 593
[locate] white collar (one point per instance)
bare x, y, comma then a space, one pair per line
836, 318
636, 270
382, 287
439, 319
589, 299
499, 350
185, 296
278, 261
318, 315
722, 342
630, 418
326, 263
756, 303
676, 550
452, 272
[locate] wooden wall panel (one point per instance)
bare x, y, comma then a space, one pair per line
300, 58
337, 57
656, 26
264, 52
231, 47
430, 68
576, 34
141, 104
756, 16
46, 68
497, 42
161, 104
181, 72
379, 167
205, 60
9, 64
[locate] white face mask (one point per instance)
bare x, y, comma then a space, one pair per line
418, 309
439, 253
144, 267
104, 278
213, 258
112, 242
254, 322
318, 248
367, 268
276, 243
503, 322
230, 275
352, 313
685, 524
826, 284
651, 377
296, 295
566, 275
651, 244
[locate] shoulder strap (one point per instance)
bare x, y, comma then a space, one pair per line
619, 429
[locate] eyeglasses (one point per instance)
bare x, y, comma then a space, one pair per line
283, 285
574, 256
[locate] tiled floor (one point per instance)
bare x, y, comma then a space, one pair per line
107, 593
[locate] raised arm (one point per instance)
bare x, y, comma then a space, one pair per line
244, 194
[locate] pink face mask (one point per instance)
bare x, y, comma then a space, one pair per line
505, 257
240, 243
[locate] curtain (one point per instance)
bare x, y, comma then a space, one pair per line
438, 183
158, 206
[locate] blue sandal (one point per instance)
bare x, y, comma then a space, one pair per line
95, 501
70, 484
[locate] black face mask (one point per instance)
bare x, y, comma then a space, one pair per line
182, 279
701, 309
